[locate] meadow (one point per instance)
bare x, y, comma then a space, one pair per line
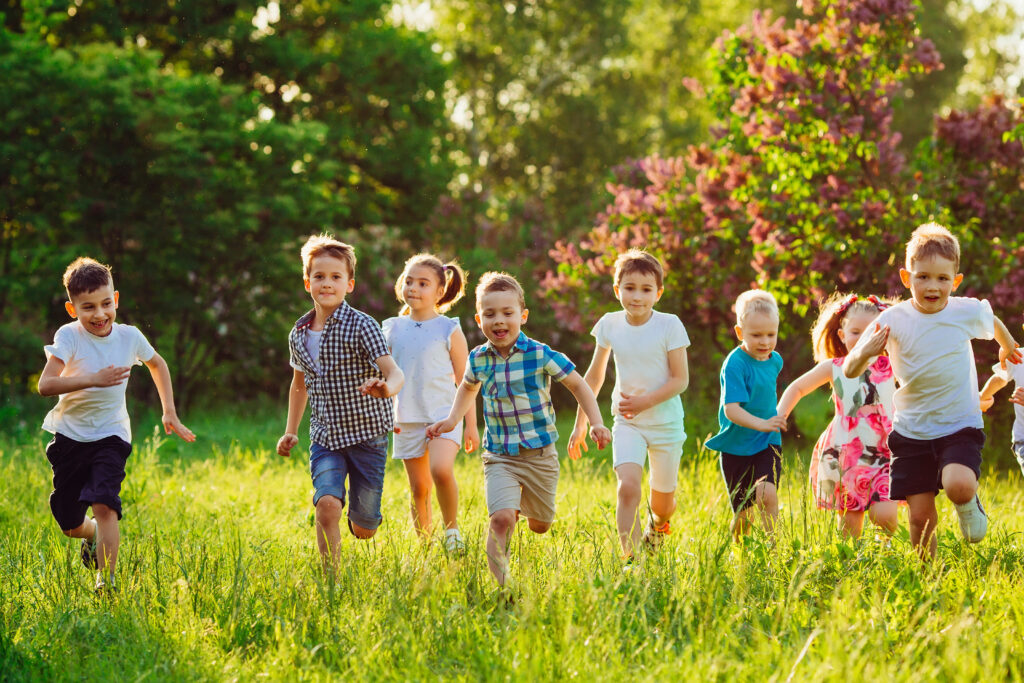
219, 581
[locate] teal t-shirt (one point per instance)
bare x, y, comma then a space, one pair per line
751, 383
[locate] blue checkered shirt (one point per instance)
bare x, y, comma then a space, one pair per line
517, 393
340, 416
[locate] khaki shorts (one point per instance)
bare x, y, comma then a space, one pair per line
526, 482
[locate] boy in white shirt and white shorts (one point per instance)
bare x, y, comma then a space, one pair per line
650, 373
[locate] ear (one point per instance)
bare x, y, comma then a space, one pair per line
957, 280
116, 297
615, 288
351, 286
842, 334
526, 314
305, 283
661, 291
739, 332
476, 317
70, 308
905, 277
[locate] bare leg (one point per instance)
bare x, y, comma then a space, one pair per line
418, 471
442, 470
499, 533
959, 483
663, 505
328, 532
87, 529
627, 517
768, 504
108, 539
851, 522
923, 519
885, 515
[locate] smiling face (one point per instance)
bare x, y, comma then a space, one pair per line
758, 334
638, 292
931, 280
854, 325
328, 282
500, 316
96, 310
421, 290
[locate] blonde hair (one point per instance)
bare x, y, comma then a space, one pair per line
449, 275
638, 261
86, 275
755, 301
932, 239
326, 245
494, 281
833, 311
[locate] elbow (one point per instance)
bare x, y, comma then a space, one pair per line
45, 387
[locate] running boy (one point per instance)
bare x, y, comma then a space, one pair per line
937, 433
520, 460
749, 438
88, 366
341, 361
1002, 375
650, 373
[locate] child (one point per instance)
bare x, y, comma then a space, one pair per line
748, 438
850, 462
937, 435
431, 351
338, 355
1003, 374
88, 366
515, 372
650, 373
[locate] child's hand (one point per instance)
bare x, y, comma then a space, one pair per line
774, 424
631, 406
874, 345
286, 443
173, 424
1018, 396
1009, 355
438, 428
601, 435
111, 376
986, 402
375, 387
472, 440
578, 441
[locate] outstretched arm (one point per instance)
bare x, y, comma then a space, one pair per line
460, 354
989, 391
296, 406
464, 400
601, 435
595, 380
162, 379
867, 348
1008, 350
817, 376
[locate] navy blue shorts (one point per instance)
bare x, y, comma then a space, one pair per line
743, 472
363, 463
85, 473
917, 463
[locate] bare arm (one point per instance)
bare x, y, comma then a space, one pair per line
601, 435
296, 406
867, 348
678, 380
460, 354
392, 383
817, 376
1008, 350
988, 392
52, 384
464, 399
737, 414
595, 380
162, 379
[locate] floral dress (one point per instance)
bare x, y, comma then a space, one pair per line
850, 462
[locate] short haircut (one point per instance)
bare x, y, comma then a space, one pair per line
326, 245
638, 261
499, 282
86, 275
932, 239
753, 302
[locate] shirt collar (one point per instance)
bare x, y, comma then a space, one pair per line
339, 314
520, 344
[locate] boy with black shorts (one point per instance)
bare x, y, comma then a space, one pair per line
87, 366
937, 433
749, 438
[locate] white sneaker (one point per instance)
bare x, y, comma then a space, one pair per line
453, 542
973, 520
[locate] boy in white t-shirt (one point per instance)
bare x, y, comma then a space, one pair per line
88, 366
937, 435
1003, 374
650, 373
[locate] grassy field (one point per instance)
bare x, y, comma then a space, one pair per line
219, 581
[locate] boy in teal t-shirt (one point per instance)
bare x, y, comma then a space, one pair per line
749, 440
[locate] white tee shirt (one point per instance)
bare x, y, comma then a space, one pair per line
641, 361
423, 352
1014, 373
933, 362
96, 412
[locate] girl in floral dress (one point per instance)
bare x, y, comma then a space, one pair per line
850, 462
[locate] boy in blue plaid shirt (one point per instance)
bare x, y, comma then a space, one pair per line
342, 364
515, 372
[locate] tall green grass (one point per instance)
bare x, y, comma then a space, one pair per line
219, 581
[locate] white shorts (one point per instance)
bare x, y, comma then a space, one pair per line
662, 445
411, 441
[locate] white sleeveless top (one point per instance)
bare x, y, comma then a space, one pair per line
423, 351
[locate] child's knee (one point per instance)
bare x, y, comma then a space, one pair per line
539, 527
767, 496
328, 510
503, 520
442, 475
359, 532
420, 490
103, 512
629, 492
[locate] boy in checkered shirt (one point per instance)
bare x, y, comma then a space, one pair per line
342, 365
520, 460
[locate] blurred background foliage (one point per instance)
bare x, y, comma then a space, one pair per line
194, 144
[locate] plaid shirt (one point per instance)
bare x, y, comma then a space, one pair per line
339, 415
517, 393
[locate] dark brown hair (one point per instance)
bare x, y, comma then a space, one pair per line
86, 275
638, 261
449, 275
326, 245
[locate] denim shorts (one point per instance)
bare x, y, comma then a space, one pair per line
363, 463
